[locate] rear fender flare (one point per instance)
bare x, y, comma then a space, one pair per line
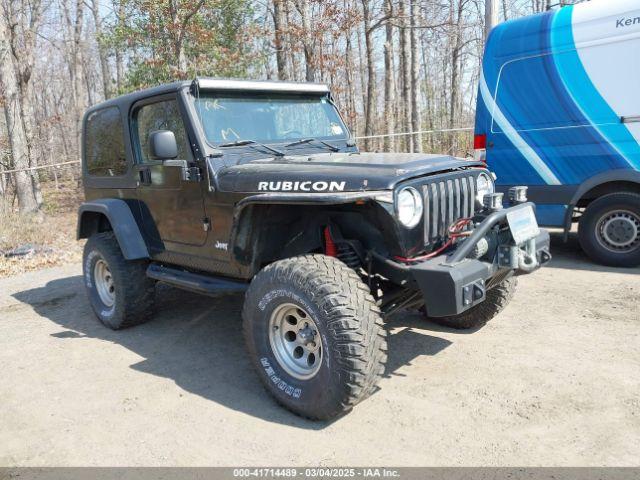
123, 224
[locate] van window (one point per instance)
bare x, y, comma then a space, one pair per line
534, 94
530, 107
104, 143
163, 115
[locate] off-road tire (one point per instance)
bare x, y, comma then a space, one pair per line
497, 299
353, 339
588, 234
134, 291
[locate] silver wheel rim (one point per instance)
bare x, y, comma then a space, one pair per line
295, 341
617, 231
104, 283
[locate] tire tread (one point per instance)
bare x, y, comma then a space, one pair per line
138, 290
354, 322
497, 300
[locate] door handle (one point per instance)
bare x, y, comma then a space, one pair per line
631, 119
145, 176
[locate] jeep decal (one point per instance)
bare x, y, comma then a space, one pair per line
297, 186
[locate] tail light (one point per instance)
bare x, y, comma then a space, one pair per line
480, 148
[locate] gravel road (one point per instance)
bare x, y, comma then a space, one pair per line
554, 380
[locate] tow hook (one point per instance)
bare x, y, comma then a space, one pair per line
522, 258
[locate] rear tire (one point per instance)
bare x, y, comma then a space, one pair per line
314, 335
119, 290
609, 230
497, 300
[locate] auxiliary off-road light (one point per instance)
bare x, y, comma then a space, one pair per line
493, 201
518, 194
409, 207
484, 186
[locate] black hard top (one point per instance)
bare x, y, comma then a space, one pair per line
125, 101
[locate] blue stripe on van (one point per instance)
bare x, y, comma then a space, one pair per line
542, 92
586, 96
508, 102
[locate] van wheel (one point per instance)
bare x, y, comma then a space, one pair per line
497, 300
314, 335
609, 230
119, 290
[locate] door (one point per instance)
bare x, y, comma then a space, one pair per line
171, 202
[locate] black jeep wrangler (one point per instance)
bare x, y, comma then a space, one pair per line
221, 186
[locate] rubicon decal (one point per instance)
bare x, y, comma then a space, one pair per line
297, 186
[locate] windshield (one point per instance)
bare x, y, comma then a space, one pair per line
268, 118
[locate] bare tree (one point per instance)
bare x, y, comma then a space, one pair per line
74, 53
405, 74
371, 73
389, 78
19, 24
307, 38
416, 123
279, 26
105, 69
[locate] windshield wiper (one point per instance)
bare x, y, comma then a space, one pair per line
333, 148
253, 143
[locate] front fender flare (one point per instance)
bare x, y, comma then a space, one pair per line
123, 223
242, 212
300, 199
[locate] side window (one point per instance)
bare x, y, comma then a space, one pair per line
104, 143
569, 89
160, 116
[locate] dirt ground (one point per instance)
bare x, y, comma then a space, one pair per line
554, 380
48, 236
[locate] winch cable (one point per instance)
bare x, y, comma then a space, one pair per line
454, 231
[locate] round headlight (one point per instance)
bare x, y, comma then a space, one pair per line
409, 207
484, 186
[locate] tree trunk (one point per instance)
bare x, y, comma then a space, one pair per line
353, 116
181, 58
105, 71
74, 27
308, 44
18, 141
16, 64
416, 123
389, 84
119, 8
429, 97
405, 58
371, 76
455, 57
279, 25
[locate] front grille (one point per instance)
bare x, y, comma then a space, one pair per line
445, 201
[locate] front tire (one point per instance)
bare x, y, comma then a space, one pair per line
496, 301
119, 290
609, 230
314, 335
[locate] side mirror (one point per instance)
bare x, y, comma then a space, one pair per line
163, 145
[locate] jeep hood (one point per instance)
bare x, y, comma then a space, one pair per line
344, 172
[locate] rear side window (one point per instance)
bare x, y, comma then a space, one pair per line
104, 143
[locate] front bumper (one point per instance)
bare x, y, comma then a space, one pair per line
451, 284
